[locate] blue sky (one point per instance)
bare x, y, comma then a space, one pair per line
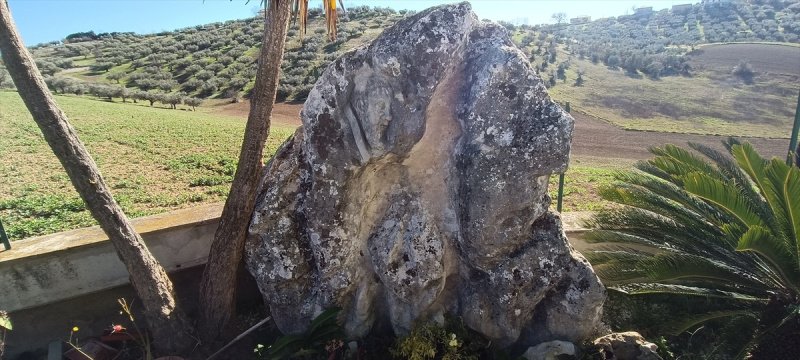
48, 20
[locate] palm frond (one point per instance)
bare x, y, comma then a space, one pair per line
619, 254
643, 227
620, 273
728, 166
675, 193
784, 182
677, 326
675, 289
301, 16
614, 236
761, 241
678, 162
682, 266
755, 167
723, 195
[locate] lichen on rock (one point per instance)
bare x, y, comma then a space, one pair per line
417, 186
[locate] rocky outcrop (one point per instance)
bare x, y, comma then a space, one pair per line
417, 186
626, 346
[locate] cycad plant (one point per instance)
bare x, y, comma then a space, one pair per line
712, 226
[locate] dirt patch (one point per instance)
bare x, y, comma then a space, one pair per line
771, 58
592, 137
282, 113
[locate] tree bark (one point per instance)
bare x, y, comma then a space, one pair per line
217, 298
149, 280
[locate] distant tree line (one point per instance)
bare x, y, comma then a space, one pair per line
66, 85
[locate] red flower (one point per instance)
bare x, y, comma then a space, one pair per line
117, 329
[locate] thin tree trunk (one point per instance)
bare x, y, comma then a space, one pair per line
217, 298
166, 321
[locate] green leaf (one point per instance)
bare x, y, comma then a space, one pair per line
285, 346
327, 317
5, 321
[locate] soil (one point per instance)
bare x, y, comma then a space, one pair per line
283, 113
597, 138
723, 57
593, 137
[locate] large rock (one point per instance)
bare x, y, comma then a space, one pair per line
417, 186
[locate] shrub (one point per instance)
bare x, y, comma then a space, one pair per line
725, 232
193, 102
744, 71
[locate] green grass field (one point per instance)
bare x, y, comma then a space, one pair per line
155, 160
583, 180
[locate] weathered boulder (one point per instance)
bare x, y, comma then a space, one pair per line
626, 346
417, 186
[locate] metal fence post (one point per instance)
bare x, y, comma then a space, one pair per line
795, 130
560, 191
561, 176
4, 237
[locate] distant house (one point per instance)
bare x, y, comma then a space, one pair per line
681, 9
709, 2
580, 20
647, 10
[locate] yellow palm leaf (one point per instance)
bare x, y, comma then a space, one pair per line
301, 16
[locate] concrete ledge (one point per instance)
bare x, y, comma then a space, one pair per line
575, 221
52, 268
65, 265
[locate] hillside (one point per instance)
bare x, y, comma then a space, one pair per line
206, 61
652, 71
710, 101
656, 43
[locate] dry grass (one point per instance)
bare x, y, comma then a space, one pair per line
711, 102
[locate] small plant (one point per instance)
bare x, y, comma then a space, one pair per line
141, 339
449, 342
663, 349
73, 342
324, 336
